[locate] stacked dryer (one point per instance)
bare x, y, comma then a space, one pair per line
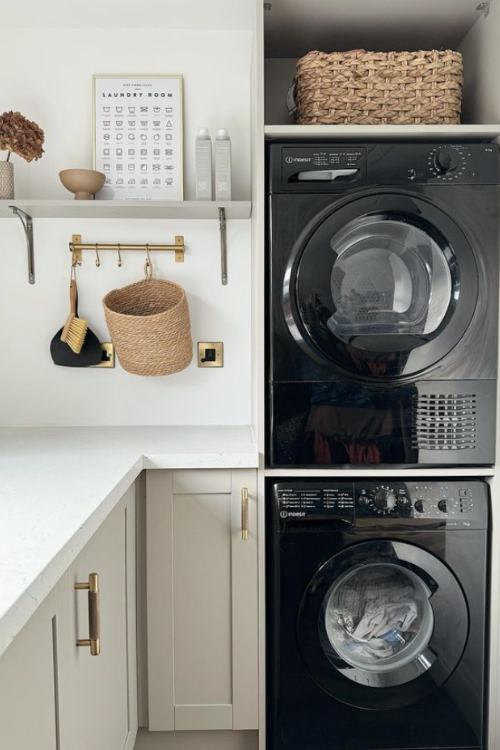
383, 297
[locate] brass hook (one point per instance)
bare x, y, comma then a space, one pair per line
119, 256
148, 266
97, 259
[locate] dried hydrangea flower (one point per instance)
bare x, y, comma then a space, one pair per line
20, 136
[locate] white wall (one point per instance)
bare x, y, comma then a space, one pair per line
481, 51
35, 392
48, 78
47, 75
218, 14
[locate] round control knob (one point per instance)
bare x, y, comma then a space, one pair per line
442, 505
384, 499
419, 506
445, 161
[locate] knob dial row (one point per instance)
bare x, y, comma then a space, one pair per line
384, 501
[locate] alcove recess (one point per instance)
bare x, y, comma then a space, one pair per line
292, 28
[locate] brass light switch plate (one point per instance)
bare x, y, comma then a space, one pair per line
108, 355
210, 354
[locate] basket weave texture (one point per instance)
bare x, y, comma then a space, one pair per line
379, 88
150, 327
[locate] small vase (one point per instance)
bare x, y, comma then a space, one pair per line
6, 179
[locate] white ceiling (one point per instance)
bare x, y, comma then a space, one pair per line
293, 27
192, 14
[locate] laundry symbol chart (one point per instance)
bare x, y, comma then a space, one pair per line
138, 131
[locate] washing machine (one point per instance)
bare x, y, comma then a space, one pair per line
382, 304
376, 614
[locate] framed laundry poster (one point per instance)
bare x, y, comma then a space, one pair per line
138, 136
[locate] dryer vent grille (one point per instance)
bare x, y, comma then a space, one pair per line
444, 422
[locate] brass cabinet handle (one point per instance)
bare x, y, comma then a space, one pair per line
94, 639
244, 513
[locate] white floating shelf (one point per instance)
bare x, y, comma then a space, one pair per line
72, 209
385, 132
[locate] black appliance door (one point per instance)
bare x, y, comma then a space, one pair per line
381, 624
382, 286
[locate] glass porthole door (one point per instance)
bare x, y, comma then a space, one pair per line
374, 624
383, 286
389, 278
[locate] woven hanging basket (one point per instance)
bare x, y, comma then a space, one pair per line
150, 327
379, 88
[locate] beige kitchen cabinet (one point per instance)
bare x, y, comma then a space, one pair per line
201, 528
97, 694
54, 695
28, 708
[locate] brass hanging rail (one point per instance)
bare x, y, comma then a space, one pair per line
76, 247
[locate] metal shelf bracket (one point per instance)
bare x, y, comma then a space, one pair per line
27, 222
223, 245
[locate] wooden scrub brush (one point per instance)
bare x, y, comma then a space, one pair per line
75, 329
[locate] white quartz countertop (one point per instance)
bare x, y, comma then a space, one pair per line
57, 485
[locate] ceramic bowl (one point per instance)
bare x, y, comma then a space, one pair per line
84, 183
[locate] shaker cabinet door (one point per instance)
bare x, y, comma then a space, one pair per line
97, 702
202, 599
28, 684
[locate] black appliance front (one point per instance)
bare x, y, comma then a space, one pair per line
376, 614
383, 296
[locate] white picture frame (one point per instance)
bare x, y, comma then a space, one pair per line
138, 136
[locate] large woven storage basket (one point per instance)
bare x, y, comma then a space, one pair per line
150, 327
377, 88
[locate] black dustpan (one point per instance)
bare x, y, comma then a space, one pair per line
89, 355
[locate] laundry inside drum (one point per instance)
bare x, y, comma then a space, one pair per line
390, 277
378, 617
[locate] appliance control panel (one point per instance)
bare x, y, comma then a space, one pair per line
329, 167
452, 503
